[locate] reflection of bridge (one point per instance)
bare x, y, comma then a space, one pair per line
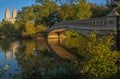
60, 51
104, 25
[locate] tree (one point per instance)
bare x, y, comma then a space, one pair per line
108, 3
26, 14
24, 17
79, 10
40, 28
66, 12
46, 14
7, 29
61, 2
82, 10
99, 10
29, 30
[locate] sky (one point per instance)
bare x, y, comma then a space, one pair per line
18, 4
97, 1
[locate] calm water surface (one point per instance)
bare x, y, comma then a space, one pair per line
34, 59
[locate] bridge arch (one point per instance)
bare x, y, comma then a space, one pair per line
104, 25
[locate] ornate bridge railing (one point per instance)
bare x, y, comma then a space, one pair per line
107, 23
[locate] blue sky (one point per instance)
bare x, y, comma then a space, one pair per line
97, 1
11, 4
18, 4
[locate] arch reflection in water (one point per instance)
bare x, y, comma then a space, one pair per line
59, 50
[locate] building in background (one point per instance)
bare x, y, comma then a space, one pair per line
7, 15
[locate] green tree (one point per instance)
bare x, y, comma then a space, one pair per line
66, 12
40, 28
80, 10
29, 29
7, 29
26, 14
24, 17
99, 10
61, 2
46, 14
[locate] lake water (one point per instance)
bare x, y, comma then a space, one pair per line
35, 59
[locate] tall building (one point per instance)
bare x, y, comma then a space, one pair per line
7, 15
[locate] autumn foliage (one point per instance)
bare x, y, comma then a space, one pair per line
99, 60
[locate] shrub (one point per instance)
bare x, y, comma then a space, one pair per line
100, 61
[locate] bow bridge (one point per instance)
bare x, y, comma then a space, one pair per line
104, 25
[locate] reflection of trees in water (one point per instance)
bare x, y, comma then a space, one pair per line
40, 45
74, 44
8, 45
36, 62
41, 65
30, 45
74, 41
5, 44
